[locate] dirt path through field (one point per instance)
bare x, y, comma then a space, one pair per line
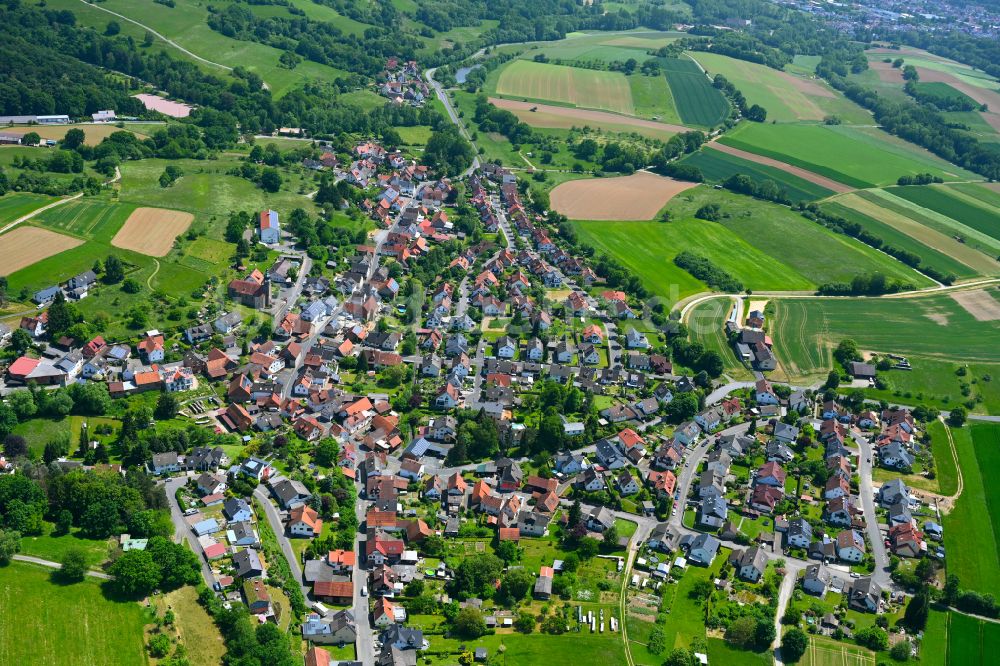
814, 178
636, 197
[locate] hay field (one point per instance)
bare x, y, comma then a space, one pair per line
152, 231
561, 117
636, 197
95, 132
26, 245
609, 91
979, 303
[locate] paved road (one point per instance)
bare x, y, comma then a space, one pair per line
181, 529
274, 520
55, 565
867, 492
365, 645
453, 115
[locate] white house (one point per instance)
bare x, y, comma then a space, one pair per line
270, 230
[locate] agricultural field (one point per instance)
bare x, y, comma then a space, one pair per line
15, 205
152, 231
528, 80
639, 196
717, 166
42, 622
787, 97
936, 250
827, 652
935, 326
562, 117
27, 245
977, 561
969, 237
853, 156
606, 46
954, 204
698, 102
790, 239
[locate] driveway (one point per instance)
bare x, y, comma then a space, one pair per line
181, 529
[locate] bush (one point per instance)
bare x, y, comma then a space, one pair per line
159, 646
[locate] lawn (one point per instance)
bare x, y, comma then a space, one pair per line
935, 249
787, 98
849, 155
806, 330
574, 86
697, 101
973, 553
934, 646
42, 622
717, 166
952, 203
38, 432
49, 547
15, 205
963, 644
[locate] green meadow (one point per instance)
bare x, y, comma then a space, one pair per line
42, 622
16, 204
853, 156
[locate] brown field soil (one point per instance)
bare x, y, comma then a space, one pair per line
151, 231
979, 303
990, 98
886, 72
636, 197
933, 238
26, 245
95, 133
822, 181
561, 117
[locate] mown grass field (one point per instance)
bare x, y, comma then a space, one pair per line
827, 652
849, 155
806, 330
587, 88
16, 204
934, 646
652, 98
717, 166
697, 101
44, 623
954, 204
892, 229
605, 46
787, 98
946, 471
